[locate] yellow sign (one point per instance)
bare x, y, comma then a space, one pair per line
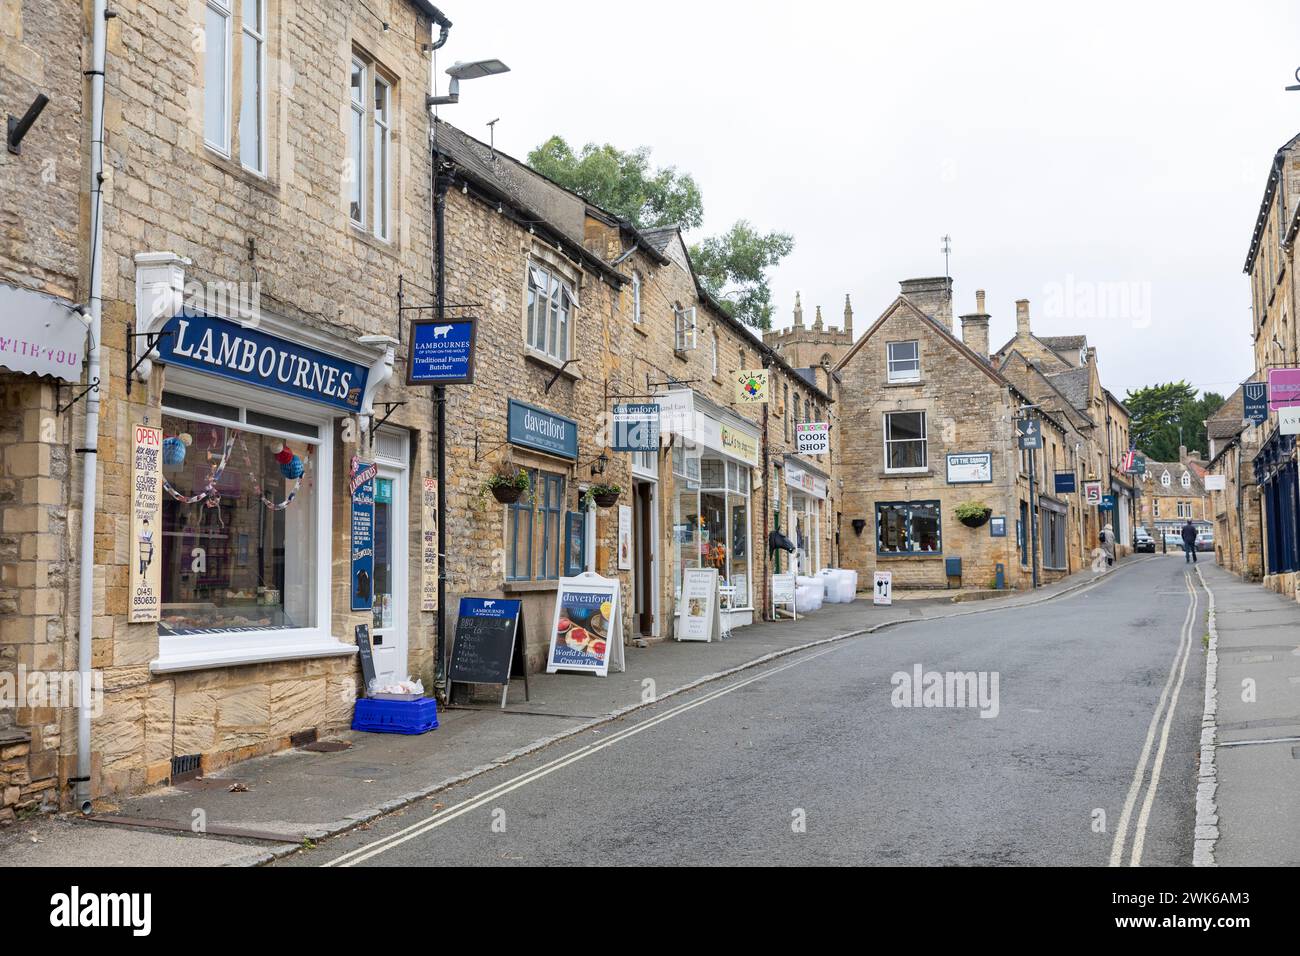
737, 444
751, 386
146, 521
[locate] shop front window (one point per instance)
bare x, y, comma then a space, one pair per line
908, 527
534, 530
241, 549
711, 523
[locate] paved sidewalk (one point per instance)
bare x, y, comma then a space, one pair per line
1257, 751
299, 795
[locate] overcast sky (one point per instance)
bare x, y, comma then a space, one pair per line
1105, 160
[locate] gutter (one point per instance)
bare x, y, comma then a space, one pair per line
95, 379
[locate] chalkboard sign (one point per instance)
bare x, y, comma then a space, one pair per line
367, 661
489, 643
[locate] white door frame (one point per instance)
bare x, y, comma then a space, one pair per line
397, 637
651, 573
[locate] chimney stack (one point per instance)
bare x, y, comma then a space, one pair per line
932, 296
848, 317
1022, 317
975, 328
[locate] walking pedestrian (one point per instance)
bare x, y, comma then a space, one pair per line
1108, 544
1189, 542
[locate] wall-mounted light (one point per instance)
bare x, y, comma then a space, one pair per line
18, 127
858, 525
598, 465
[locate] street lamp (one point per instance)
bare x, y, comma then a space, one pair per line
465, 71
441, 182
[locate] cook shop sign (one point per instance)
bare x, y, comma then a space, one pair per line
225, 348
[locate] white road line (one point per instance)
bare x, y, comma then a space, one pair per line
383, 844
1121, 831
1139, 834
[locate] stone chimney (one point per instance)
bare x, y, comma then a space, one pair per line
1182, 453
798, 312
1022, 317
932, 296
975, 328
848, 316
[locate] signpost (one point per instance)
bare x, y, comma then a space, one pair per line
1092, 492
489, 644
1030, 431
1064, 482
1107, 503
441, 352
587, 630
698, 612
883, 591
1031, 434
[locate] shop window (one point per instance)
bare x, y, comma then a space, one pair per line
905, 441
711, 526
535, 530
242, 534
908, 527
550, 312
904, 361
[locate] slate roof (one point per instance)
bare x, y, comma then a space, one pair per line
1058, 342
1073, 384
659, 237
1227, 421
1151, 484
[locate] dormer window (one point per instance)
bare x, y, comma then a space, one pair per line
1187, 480
1164, 479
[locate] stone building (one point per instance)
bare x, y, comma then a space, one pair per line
819, 345
1271, 266
637, 328
43, 236
1235, 508
265, 193
929, 424
1173, 493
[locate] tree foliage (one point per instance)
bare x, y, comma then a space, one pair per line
1163, 413
732, 266
622, 183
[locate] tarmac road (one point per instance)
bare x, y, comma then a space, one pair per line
1087, 755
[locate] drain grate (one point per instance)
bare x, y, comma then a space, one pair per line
186, 767
327, 746
303, 737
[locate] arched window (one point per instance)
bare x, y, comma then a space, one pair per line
1187, 479
1164, 479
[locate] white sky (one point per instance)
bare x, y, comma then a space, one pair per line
1107, 150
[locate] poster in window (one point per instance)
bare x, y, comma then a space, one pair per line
146, 522
429, 546
624, 538
587, 628
361, 483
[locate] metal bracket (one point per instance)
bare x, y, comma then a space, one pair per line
480, 457
152, 340
558, 372
76, 398
389, 408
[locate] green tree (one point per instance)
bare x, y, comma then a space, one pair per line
622, 183
732, 267
1167, 415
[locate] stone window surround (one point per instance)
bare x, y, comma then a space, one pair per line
563, 269
925, 439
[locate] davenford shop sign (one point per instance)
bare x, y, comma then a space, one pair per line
220, 347
536, 428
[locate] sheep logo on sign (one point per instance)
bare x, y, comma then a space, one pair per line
440, 331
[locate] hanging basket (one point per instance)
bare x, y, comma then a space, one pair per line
606, 501
977, 521
507, 494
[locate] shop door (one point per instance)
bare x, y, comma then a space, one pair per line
388, 634
644, 550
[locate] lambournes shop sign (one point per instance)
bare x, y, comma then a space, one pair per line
221, 347
536, 428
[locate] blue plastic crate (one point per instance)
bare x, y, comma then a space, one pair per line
395, 716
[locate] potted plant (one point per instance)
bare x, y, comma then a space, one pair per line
973, 514
507, 487
604, 495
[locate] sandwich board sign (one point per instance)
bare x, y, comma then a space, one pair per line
783, 594
587, 628
883, 592
489, 644
699, 616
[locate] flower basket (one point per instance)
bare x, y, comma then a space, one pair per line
607, 500
507, 494
976, 520
605, 496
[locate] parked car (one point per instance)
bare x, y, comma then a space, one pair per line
1143, 542
1173, 541
1205, 541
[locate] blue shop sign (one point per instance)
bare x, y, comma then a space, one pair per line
221, 347
1107, 503
1254, 397
442, 353
1064, 483
536, 428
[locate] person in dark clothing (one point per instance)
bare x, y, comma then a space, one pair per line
1189, 542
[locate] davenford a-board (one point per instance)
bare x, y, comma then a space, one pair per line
587, 629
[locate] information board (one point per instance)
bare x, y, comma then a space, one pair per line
698, 613
587, 627
489, 643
